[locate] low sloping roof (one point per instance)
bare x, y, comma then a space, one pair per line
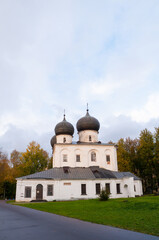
79, 173
125, 174
60, 173
102, 172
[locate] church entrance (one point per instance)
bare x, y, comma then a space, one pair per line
39, 192
126, 190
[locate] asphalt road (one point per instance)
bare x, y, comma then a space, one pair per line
19, 223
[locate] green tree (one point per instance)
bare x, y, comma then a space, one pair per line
122, 156
127, 155
156, 158
49, 163
146, 159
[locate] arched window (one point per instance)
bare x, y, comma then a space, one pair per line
93, 156
90, 138
64, 139
108, 159
64, 157
77, 157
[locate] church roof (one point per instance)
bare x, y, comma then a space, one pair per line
79, 173
89, 143
87, 123
53, 141
64, 127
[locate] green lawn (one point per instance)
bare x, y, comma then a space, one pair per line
139, 214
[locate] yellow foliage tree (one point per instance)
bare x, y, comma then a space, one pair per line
35, 159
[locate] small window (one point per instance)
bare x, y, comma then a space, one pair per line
83, 189
27, 192
118, 188
97, 188
64, 157
108, 159
93, 156
49, 190
134, 188
90, 138
77, 158
64, 140
107, 188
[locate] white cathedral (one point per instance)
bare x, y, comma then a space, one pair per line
80, 169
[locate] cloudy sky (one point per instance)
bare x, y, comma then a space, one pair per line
57, 55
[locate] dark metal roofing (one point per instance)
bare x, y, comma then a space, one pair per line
59, 173
89, 143
102, 172
64, 127
53, 141
125, 174
79, 173
88, 123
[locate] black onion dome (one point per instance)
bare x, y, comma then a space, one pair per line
64, 127
87, 123
53, 141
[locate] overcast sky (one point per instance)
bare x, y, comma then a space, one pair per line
57, 55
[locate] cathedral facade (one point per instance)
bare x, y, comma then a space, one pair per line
80, 169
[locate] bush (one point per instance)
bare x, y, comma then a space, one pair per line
103, 196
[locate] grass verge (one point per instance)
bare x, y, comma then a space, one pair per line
138, 214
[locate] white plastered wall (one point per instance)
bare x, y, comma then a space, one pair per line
84, 136
71, 189
138, 188
85, 155
60, 138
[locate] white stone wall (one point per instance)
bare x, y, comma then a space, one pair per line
60, 138
138, 188
71, 189
84, 151
84, 136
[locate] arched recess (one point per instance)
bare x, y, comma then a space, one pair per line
77, 156
93, 157
108, 157
64, 155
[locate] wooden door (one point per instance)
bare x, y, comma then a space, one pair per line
39, 192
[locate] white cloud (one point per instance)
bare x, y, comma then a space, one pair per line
98, 89
149, 111
65, 53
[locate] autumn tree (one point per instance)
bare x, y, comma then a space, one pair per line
16, 163
4, 169
15, 158
7, 184
35, 159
